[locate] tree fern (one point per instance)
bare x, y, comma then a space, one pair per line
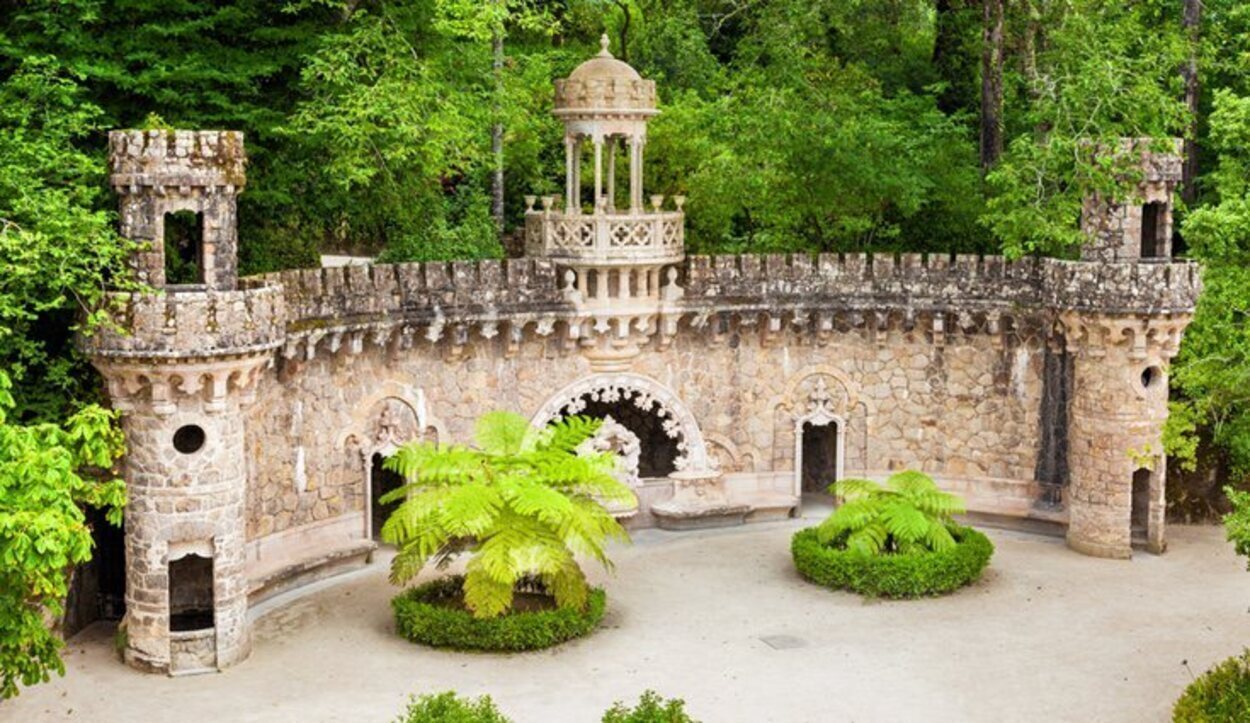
906, 515
522, 502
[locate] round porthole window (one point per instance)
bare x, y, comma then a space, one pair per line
189, 439
1151, 376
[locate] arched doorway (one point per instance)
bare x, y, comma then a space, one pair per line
818, 456
1139, 518
657, 450
668, 433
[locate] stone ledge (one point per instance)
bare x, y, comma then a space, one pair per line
330, 562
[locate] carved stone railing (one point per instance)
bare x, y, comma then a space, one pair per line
606, 239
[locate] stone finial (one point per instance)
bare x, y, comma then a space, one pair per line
604, 42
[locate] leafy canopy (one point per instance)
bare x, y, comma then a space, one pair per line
43, 532
906, 515
522, 502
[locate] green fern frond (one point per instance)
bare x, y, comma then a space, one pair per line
908, 515
501, 433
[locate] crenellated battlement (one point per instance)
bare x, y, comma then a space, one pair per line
350, 293
193, 324
176, 158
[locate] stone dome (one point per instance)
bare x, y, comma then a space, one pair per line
604, 67
604, 87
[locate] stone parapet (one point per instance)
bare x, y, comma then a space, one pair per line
192, 324
350, 293
176, 158
954, 282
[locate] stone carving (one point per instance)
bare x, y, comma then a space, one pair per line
614, 437
646, 394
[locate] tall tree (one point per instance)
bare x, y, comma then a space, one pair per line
991, 83
1191, 19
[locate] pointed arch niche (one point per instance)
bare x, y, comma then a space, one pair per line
819, 406
387, 420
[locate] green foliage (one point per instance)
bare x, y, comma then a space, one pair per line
429, 614
1237, 522
651, 708
1212, 371
1220, 695
893, 576
56, 249
523, 503
1107, 71
909, 515
46, 472
447, 707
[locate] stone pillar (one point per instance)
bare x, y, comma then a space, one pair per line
598, 171
612, 175
1119, 405
570, 192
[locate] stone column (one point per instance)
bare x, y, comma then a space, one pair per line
570, 174
598, 171
635, 175
1119, 405
611, 175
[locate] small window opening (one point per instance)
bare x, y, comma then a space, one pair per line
190, 593
189, 439
1152, 227
1150, 376
184, 248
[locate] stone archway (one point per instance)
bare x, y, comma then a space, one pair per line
383, 426
647, 395
819, 407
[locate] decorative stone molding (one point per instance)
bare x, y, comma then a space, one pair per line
646, 394
139, 382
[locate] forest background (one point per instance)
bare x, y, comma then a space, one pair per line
412, 130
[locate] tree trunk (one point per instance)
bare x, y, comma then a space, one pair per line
991, 83
496, 137
954, 65
623, 51
1191, 20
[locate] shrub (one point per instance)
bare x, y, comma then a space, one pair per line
909, 514
1220, 695
449, 708
651, 708
428, 614
896, 575
523, 503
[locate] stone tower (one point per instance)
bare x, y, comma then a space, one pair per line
1137, 228
182, 378
1120, 354
157, 173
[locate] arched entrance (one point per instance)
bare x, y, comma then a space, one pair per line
668, 434
818, 457
381, 482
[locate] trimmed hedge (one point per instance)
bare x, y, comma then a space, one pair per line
1218, 695
422, 616
896, 576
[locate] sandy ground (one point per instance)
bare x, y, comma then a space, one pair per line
721, 619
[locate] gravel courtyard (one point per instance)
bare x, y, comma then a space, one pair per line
721, 619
